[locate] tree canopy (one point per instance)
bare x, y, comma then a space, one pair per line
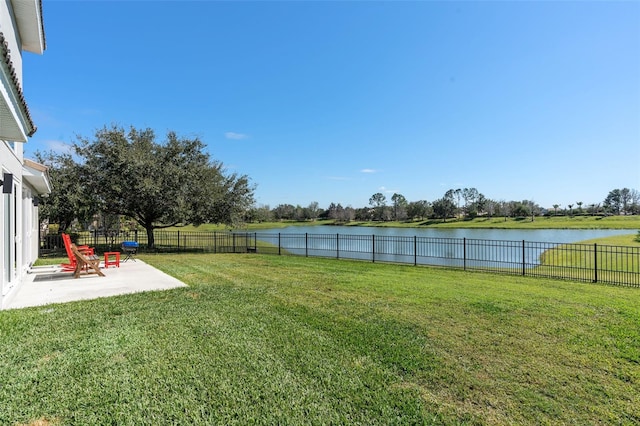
66, 202
158, 184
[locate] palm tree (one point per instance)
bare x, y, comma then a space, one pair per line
570, 211
579, 203
555, 209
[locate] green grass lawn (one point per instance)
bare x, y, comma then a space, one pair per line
253, 226
291, 340
628, 240
547, 222
617, 253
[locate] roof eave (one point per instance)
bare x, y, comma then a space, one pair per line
13, 91
28, 14
37, 176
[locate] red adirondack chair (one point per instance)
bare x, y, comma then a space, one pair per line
86, 250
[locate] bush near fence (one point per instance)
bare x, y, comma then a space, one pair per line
619, 265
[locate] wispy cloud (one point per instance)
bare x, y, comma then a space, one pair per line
368, 171
451, 186
387, 191
57, 146
235, 136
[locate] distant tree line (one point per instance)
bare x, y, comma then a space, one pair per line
124, 179
460, 203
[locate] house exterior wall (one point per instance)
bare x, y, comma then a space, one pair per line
19, 220
7, 26
11, 221
30, 228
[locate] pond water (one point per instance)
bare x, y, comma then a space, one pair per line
504, 249
539, 235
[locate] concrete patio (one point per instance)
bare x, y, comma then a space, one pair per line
49, 284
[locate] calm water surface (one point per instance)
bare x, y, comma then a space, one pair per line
538, 235
507, 248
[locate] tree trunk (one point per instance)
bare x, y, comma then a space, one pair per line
151, 243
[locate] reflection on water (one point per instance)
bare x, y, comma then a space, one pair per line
483, 248
539, 235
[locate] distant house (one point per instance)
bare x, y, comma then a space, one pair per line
23, 181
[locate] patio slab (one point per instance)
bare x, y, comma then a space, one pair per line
48, 284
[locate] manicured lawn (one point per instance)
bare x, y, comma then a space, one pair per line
260, 339
627, 240
209, 227
547, 222
617, 253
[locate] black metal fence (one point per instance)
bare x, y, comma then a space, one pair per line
619, 265
164, 241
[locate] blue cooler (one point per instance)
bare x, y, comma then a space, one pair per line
130, 248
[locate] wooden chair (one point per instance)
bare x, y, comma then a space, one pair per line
85, 262
86, 250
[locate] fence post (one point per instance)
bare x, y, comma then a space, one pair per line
306, 244
234, 242
464, 253
215, 242
523, 259
135, 233
373, 248
595, 262
338, 246
415, 251
95, 237
279, 252
178, 240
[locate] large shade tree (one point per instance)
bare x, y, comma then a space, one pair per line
159, 184
67, 201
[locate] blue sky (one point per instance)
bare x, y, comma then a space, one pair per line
335, 101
